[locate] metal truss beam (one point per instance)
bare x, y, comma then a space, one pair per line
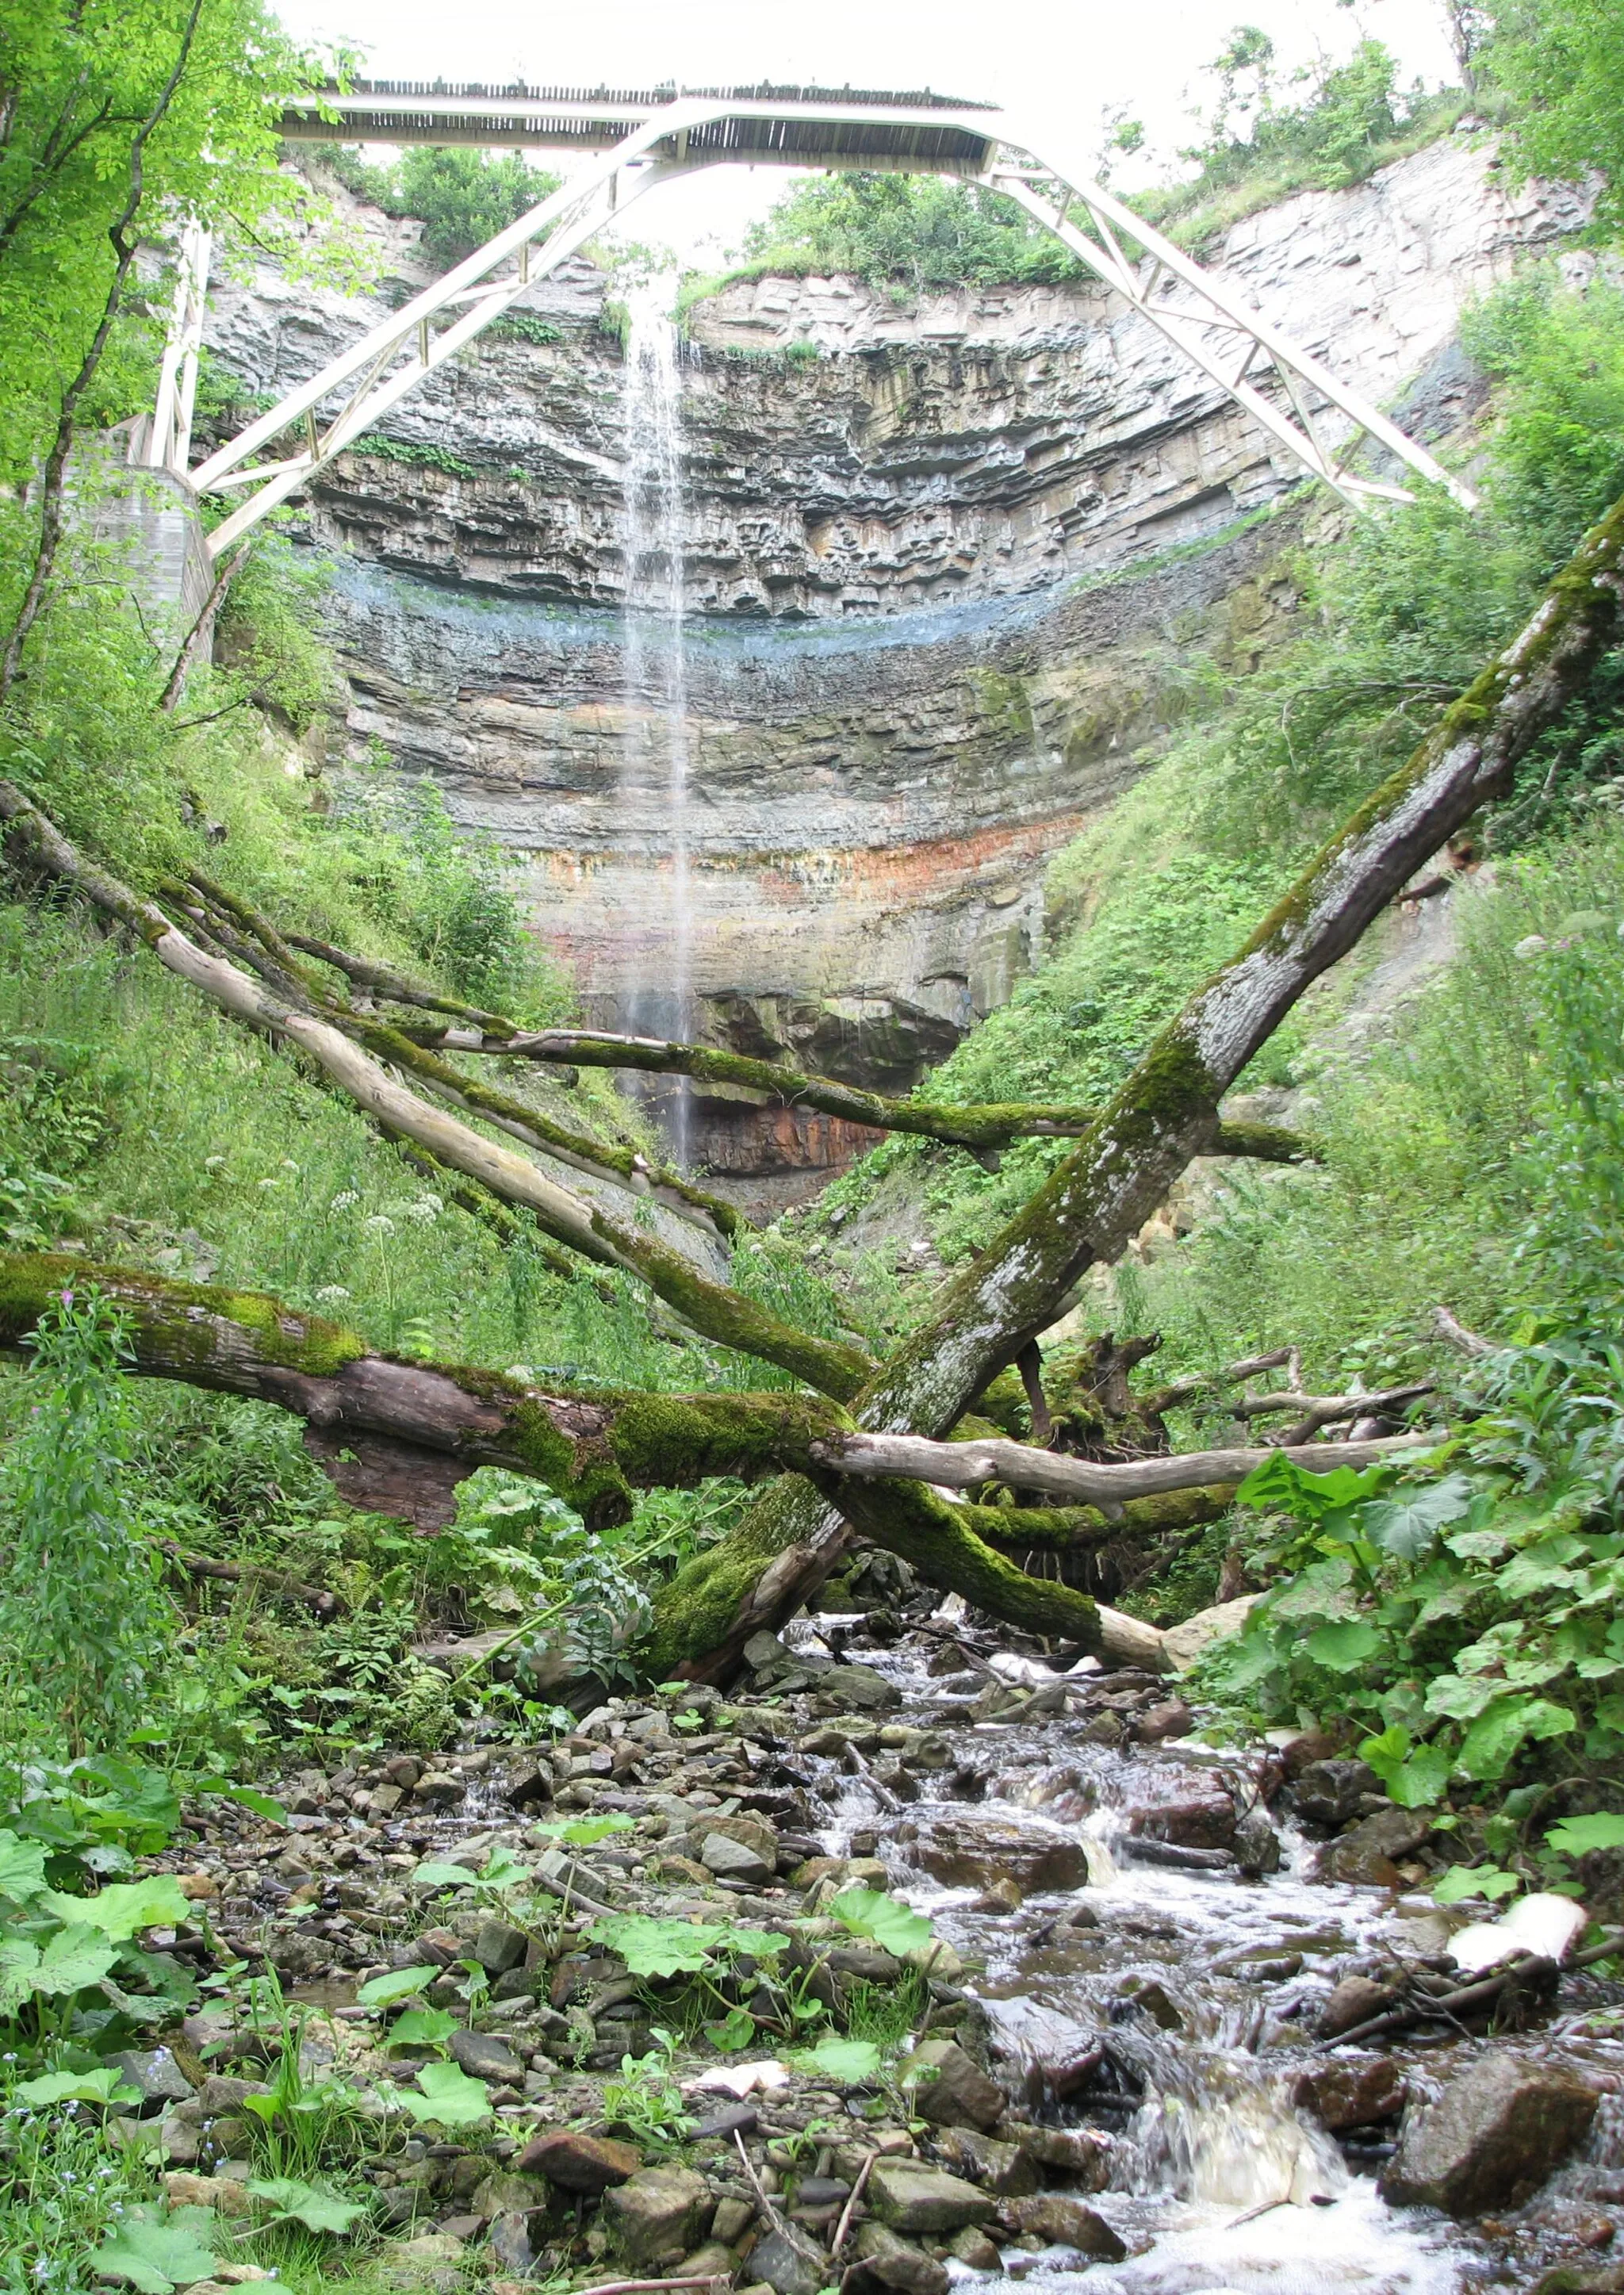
168, 438
1211, 325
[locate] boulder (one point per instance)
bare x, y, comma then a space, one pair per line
1365, 1855
431, 2264
735, 1861
1002, 2168
1201, 1818
857, 1689
499, 1947
973, 2248
888, 2261
577, 2162
155, 2072
1349, 2092
1182, 1645
1257, 1844
1355, 2000
951, 2089
911, 2197
1329, 1792
1066, 2222
658, 2214
1171, 1718
1082, 2154
1491, 2138
973, 1851
486, 2056
785, 2265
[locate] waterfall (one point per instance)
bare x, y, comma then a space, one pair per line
657, 998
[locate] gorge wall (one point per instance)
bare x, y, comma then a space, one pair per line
950, 567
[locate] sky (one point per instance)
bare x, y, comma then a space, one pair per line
1060, 61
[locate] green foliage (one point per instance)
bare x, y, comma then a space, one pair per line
155, 2250
664, 1945
1560, 61
447, 2098
871, 1913
80, 81
921, 231
645, 2101
461, 197
425, 454
268, 634
81, 1612
1472, 1613
849, 2064
1329, 125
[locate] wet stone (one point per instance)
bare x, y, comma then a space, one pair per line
912, 2197
786, 2267
1329, 1792
509, 2245
1346, 2092
1354, 2001
1491, 2138
486, 2056
950, 2088
658, 2214
973, 1852
155, 2072
578, 2162
1065, 2222
888, 2261
734, 1860
1001, 2168
1365, 1855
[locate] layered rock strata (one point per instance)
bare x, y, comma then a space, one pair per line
953, 570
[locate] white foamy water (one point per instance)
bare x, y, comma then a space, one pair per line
655, 755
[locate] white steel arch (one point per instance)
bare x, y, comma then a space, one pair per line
651, 138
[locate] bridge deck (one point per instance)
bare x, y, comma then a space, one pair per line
797, 127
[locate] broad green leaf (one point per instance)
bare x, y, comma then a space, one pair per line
1405, 1524
399, 1984
19, 1964
22, 1867
1500, 1732
1464, 1880
434, 1875
156, 2253
582, 1832
1577, 1837
309, 2204
448, 2096
1422, 1781
657, 1948
760, 1944
736, 2030
1457, 1698
72, 1959
126, 1908
1344, 1646
102, 2086
871, 1913
849, 2062
258, 1804
422, 2027
1538, 1567
502, 1870
1324, 1589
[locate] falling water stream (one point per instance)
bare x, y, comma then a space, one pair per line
657, 998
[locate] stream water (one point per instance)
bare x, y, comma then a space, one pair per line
658, 997
1163, 2004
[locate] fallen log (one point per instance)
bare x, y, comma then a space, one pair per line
1524, 1967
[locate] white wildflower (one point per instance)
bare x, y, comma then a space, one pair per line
345, 1200
332, 1291
380, 1223
1530, 944
425, 1210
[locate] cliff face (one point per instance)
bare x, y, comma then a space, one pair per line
949, 566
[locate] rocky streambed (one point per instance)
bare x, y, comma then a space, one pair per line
1125, 2058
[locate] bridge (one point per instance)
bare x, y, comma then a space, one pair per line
628, 143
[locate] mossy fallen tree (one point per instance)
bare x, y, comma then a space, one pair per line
1166, 1111
466, 1028
33, 842
398, 1436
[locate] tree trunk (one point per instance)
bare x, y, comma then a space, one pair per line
1094, 1202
